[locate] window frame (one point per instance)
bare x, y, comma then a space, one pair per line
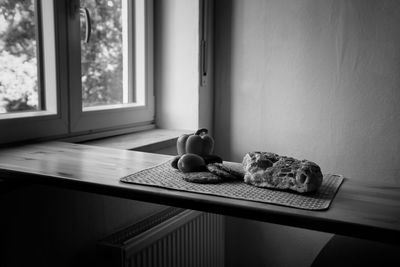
88, 120
54, 121
67, 118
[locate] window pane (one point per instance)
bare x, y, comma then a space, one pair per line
19, 89
104, 56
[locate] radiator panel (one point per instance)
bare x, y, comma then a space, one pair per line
190, 238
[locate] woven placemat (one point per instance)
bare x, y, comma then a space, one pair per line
165, 176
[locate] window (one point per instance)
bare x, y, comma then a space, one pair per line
54, 82
28, 76
106, 57
115, 66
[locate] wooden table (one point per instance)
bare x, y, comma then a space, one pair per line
359, 210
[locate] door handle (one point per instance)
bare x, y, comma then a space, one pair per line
85, 13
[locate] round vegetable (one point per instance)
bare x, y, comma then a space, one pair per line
191, 163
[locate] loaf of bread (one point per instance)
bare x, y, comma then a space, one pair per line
269, 170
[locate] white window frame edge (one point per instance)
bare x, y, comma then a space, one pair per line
52, 121
89, 120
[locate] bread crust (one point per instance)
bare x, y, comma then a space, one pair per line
269, 170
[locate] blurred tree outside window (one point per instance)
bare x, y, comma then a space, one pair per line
18, 57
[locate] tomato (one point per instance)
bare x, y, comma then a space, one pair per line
191, 163
199, 143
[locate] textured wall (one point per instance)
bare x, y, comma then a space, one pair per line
310, 79
176, 63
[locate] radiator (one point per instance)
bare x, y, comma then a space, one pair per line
173, 238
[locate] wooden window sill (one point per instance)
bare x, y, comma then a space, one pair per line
368, 211
145, 141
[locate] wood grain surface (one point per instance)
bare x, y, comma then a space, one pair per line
364, 210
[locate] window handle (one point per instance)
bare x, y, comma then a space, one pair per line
85, 12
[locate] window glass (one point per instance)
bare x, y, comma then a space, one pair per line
105, 57
19, 83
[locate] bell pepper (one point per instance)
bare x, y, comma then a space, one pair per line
199, 143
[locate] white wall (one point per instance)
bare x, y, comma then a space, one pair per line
176, 63
311, 79
182, 102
